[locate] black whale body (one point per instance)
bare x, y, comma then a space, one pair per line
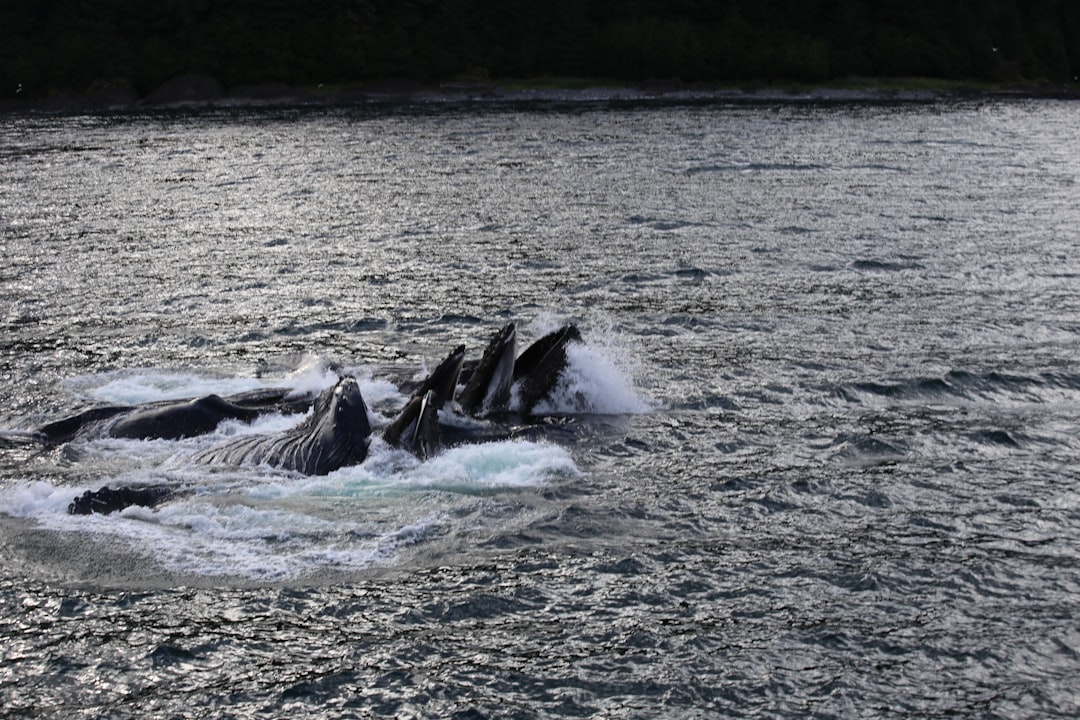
537, 370
443, 380
106, 500
416, 428
171, 419
535, 373
487, 389
336, 435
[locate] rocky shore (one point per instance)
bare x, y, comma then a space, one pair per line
198, 91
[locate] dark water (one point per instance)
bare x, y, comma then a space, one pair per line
821, 462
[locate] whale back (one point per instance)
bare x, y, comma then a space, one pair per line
60, 431
106, 500
178, 420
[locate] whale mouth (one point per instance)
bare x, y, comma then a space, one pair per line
488, 388
502, 374
348, 391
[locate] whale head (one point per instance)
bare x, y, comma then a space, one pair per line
336, 435
346, 410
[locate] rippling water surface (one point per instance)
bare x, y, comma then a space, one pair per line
817, 458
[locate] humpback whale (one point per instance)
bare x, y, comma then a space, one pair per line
335, 435
171, 419
487, 389
443, 379
537, 370
416, 428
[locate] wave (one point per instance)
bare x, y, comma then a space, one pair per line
964, 385
755, 167
885, 266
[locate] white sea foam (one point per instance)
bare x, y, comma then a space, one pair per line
35, 499
509, 464
145, 385
248, 541
492, 466
595, 381
310, 377
132, 387
259, 524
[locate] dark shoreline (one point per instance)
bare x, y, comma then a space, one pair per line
197, 92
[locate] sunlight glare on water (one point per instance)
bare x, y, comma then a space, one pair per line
816, 456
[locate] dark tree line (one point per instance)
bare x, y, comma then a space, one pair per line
48, 46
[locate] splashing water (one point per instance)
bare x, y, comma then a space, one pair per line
593, 382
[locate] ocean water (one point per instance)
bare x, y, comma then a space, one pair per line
817, 457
